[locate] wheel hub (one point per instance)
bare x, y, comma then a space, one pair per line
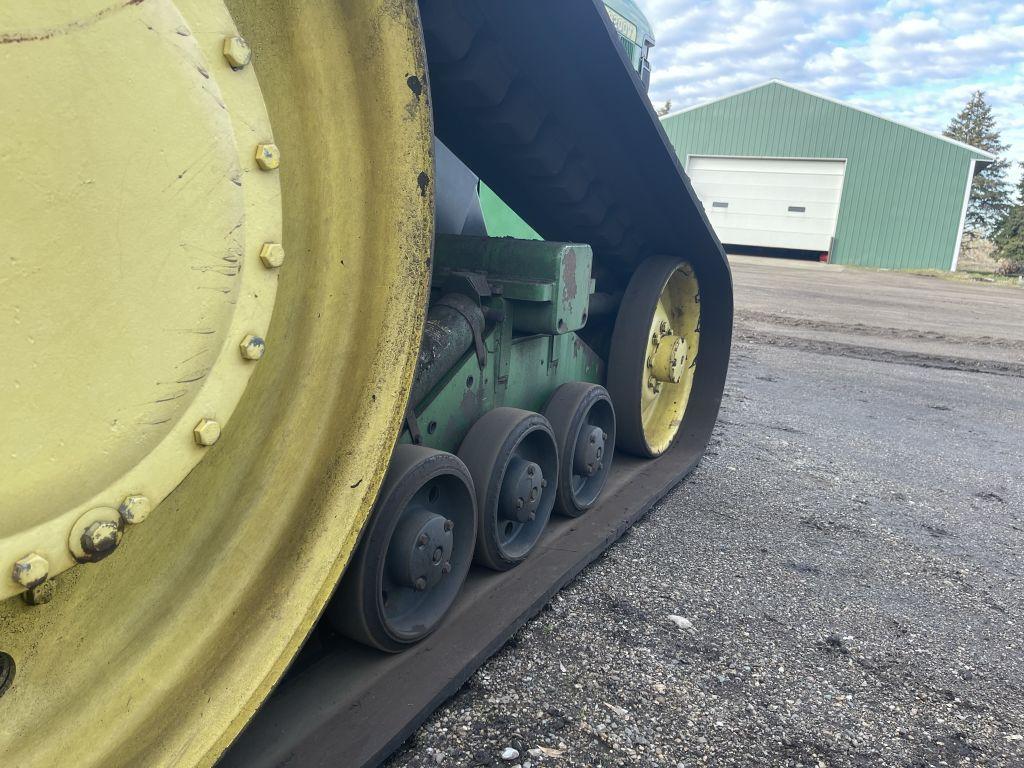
140, 302
521, 490
587, 459
421, 550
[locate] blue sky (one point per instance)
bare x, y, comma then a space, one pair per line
916, 61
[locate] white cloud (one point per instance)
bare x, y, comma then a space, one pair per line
916, 61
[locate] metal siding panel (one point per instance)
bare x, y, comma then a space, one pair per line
903, 190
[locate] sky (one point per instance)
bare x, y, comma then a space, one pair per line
916, 61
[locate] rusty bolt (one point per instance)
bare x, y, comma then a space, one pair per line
206, 432
252, 347
448, 525
134, 509
543, 483
237, 52
421, 584
100, 539
272, 255
422, 540
31, 570
268, 156
663, 328
39, 595
650, 361
446, 567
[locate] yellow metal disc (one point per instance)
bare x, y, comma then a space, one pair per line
167, 167
672, 347
136, 213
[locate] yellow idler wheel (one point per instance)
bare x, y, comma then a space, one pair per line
653, 356
217, 225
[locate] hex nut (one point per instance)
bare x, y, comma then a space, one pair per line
272, 255
31, 570
268, 156
134, 509
100, 539
206, 432
237, 52
252, 347
40, 594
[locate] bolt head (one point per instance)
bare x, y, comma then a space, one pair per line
446, 567
272, 255
268, 157
206, 432
237, 52
448, 525
664, 328
31, 570
544, 483
252, 347
421, 584
134, 509
532, 516
520, 503
101, 538
422, 540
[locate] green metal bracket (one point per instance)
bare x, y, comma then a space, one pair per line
549, 283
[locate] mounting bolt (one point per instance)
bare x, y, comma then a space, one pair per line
446, 567
39, 595
532, 516
530, 470
237, 52
272, 255
134, 509
650, 361
422, 540
543, 483
520, 503
448, 525
268, 157
252, 347
421, 584
101, 538
664, 328
206, 432
604, 436
31, 570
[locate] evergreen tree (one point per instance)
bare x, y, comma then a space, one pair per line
1009, 236
990, 195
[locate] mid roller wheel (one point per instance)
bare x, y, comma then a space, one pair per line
415, 554
583, 421
653, 356
513, 459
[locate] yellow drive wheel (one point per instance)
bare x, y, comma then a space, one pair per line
217, 221
653, 357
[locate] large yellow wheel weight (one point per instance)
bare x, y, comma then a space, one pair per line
212, 291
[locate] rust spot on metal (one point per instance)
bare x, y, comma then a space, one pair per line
569, 287
415, 85
423, 181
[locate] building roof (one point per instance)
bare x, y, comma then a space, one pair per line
981, 153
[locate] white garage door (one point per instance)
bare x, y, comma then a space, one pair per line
768, 202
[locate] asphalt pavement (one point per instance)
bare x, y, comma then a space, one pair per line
838, 584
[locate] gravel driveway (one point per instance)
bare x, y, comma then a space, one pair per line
838, 584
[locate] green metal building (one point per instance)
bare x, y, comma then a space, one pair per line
779, 167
